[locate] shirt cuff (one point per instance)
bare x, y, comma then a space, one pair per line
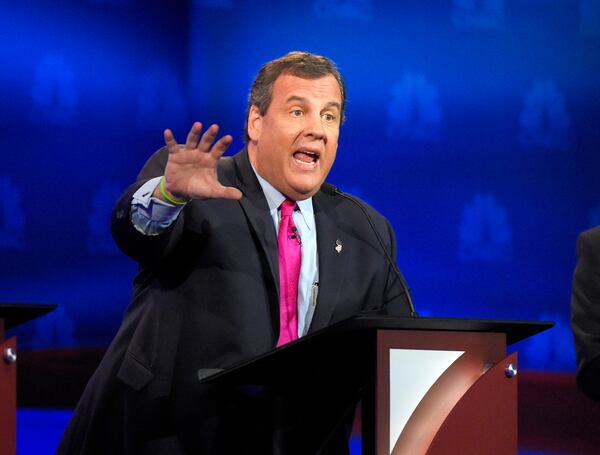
151, 215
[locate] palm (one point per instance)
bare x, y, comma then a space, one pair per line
191, 170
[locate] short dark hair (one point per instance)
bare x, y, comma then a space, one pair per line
300, 64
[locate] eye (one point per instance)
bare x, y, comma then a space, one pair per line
297, 113
328, 117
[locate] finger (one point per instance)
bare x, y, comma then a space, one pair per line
229, 192
220, 146
170, 141
208, 138
193, 136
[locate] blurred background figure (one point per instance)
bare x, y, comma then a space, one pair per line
585, 312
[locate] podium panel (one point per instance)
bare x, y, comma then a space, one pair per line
11, 315
485, 418
8, 397
422, 378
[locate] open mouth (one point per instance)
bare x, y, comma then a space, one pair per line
306, 157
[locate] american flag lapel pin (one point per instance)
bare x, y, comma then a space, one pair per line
338, 246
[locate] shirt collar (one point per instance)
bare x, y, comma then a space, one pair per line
275, 198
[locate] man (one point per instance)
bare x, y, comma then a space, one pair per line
225, 277
585, 312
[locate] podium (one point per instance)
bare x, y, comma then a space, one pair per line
429, 385
11, 315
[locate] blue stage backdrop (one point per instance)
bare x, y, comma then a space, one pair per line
473, 125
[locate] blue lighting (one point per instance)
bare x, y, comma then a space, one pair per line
473, 126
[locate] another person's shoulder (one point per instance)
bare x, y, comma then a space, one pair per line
593, 234
589, 241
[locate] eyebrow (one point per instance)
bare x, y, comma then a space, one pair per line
302, 99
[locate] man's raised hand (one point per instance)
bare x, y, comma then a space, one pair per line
191, 171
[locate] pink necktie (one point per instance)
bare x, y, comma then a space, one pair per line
288, 245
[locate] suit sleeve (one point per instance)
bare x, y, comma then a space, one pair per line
585, 312
140, 247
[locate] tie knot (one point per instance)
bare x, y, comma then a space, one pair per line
287, 207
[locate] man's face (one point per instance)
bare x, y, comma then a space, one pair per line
293, 145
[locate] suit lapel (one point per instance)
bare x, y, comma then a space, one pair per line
256, 209
332, 261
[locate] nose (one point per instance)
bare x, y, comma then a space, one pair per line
315, 128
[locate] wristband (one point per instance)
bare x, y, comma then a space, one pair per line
168, 196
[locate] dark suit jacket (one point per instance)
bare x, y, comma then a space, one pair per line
585, 312
206, 297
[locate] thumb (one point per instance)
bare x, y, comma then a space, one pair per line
229, 192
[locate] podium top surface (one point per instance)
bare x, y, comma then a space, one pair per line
14, 314
348, 340
515, 330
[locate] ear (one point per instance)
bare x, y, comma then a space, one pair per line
254, 123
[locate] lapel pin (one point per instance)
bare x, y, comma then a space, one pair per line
338, 246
